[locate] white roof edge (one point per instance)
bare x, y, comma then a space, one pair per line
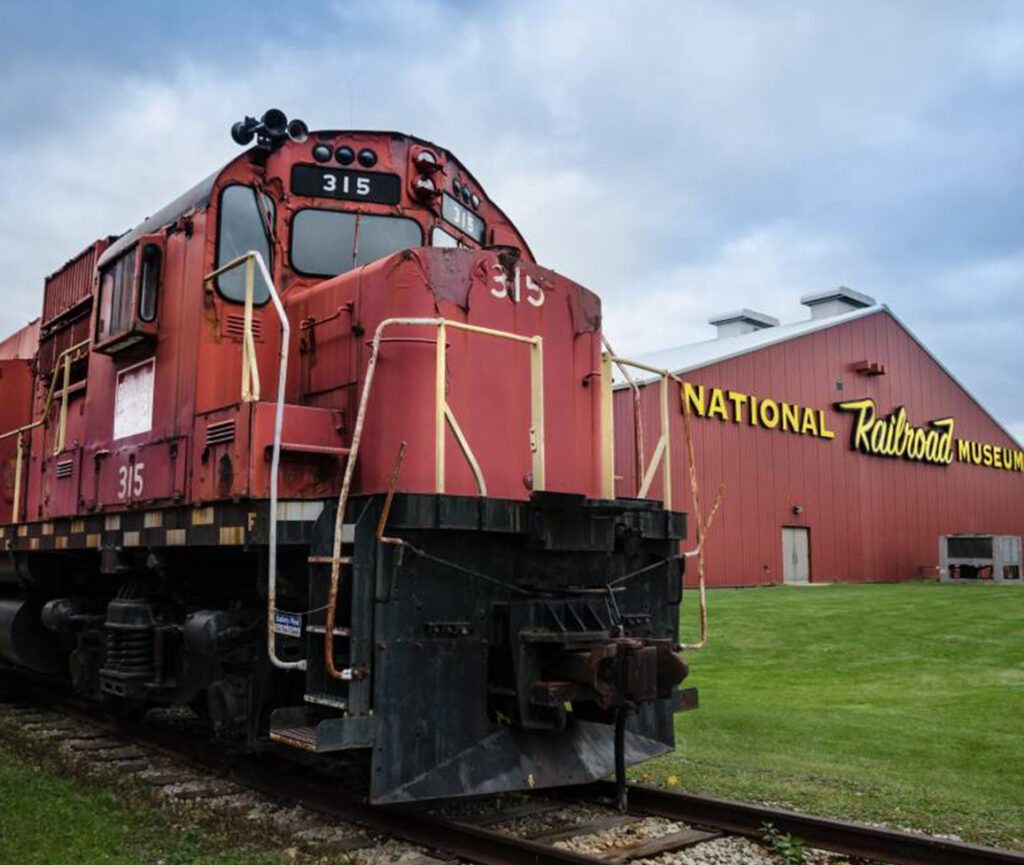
773, 337
815, 325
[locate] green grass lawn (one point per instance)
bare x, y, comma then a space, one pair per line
899, 703
47, 818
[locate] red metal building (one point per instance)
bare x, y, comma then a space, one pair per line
846, 447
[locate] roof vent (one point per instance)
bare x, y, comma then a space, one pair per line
740, 322
836, 301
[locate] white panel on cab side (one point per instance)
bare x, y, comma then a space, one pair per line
133, 401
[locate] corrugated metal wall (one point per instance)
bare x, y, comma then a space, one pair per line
870, 518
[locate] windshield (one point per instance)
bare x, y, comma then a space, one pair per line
329, 242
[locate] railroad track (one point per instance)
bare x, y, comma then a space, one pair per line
489, 831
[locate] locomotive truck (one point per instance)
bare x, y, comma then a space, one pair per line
319, 450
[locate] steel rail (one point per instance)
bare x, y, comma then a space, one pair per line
461, 840
273, 775
840, 836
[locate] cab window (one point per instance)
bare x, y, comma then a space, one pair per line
116, 285
379, 236
331, 242
242, 227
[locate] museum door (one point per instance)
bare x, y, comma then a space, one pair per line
796, 559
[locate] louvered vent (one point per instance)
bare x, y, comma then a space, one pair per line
233, 326
220, 433
65, 468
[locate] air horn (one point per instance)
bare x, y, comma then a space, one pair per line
270, 130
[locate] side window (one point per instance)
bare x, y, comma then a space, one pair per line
149, 281
241, 228
440, 237
116, 296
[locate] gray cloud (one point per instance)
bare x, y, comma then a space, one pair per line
678, 157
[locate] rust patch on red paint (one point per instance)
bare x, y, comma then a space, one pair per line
585, 309
450, 274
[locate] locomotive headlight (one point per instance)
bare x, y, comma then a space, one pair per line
424, 188
426, 162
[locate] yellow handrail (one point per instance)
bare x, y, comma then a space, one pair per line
64, 358
442, 415
250, 371
662, 455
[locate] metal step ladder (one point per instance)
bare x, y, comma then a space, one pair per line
321, 688
344, 690
324, 692
324, 722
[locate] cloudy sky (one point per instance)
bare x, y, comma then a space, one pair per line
680, 158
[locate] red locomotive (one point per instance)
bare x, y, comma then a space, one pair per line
319, 450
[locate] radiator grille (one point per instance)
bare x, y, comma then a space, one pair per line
220, 433
72, 284
65, 468
233, 326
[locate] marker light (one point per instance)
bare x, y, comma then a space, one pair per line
345, 155
424, 188
367, 158
476, 201
457, 188
465, 194
426, 162
322, 152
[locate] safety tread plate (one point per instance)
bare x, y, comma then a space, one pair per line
297, 737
